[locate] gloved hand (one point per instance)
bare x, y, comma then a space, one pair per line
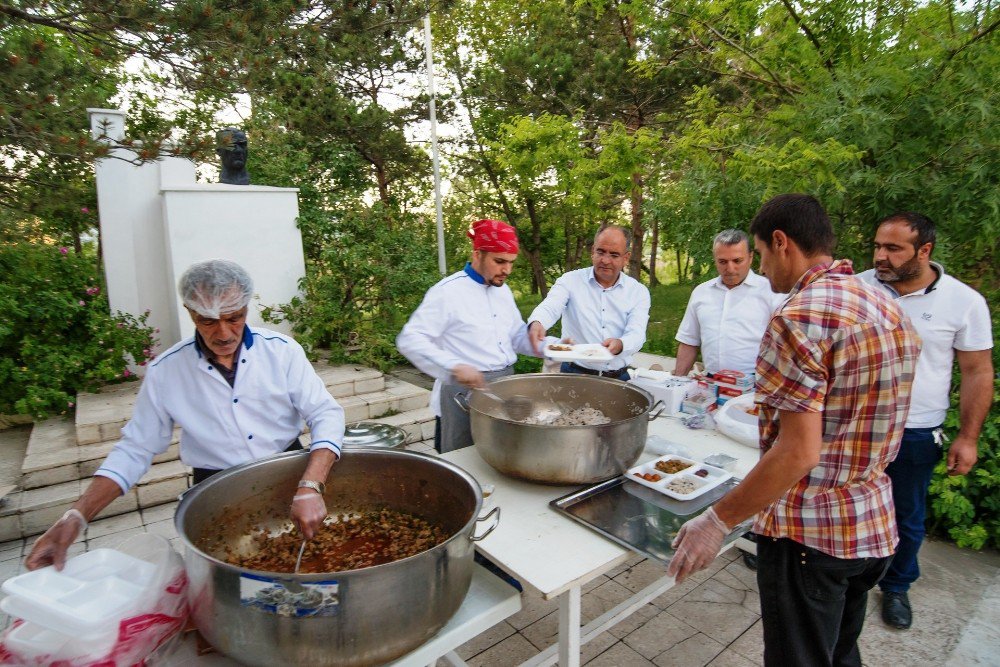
308, 512
50, 548
697, 544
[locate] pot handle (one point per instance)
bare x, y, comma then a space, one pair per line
496, 511
663, 406
462, 400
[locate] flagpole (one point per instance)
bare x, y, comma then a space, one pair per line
434, 146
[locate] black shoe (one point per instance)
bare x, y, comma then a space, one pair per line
750, 560
896, 609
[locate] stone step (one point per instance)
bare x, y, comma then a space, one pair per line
100, 416
55, 470
398, 396
32, 511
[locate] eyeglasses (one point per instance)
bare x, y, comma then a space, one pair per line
605, 253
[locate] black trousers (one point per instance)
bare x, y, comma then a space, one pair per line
812, 604
201, 474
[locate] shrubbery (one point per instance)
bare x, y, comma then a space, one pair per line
56, 335
372, 269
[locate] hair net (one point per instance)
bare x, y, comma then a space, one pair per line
214, 287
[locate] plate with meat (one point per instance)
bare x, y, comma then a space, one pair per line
678, 477
578, 352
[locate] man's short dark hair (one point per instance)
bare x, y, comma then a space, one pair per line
801, 218
626, 233
917, 222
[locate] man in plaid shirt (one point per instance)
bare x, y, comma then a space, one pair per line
834, 374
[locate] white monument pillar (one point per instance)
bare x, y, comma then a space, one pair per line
156, 221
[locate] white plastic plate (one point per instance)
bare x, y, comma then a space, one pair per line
668, 483
92, 589
579, 352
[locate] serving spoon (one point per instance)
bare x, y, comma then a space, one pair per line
517, 407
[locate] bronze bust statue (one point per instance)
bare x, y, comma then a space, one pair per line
231, 145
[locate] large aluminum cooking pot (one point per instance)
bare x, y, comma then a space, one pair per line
562, 454
358, 617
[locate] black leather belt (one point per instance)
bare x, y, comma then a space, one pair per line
616, 374
201, 474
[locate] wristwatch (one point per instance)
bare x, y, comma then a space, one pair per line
319, 487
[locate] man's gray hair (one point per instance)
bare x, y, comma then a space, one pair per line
627, 233
731, 237
214, 287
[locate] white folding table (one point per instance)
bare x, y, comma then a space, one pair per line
558, 556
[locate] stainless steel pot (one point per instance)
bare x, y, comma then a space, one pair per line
359, 617
562, 454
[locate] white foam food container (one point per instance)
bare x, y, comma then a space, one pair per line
701, 476
578, 352
33, 641
94, 588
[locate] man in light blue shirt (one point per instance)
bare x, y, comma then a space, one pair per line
598, 305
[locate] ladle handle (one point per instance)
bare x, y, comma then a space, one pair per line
463, 402
478, 538
663, 406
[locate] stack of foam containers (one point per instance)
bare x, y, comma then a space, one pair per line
76, 611
664, 386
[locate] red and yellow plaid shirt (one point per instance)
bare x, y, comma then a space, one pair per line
839, 347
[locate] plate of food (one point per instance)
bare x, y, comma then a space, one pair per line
678, 477
578, 352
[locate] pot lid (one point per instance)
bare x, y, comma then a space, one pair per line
374, 434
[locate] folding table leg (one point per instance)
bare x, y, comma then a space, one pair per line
569, 628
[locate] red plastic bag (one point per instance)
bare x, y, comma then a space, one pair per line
161, 613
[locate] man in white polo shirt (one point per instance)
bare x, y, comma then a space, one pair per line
954, 323
726, 316
599, 304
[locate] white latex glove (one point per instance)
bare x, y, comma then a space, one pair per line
697, 544
50, 548
308, 512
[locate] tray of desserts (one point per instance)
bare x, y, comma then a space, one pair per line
678, 477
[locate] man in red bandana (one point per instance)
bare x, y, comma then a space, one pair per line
468, 330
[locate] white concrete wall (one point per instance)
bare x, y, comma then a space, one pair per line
251, 225
131, 219
156, 221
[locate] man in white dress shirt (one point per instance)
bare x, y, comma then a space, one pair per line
953, 321
599, 304
726, 317
467, 330
238, 393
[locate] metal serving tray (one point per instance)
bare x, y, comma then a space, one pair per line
637, 517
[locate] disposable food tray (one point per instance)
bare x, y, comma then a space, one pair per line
93, 588
709, 477
579, 352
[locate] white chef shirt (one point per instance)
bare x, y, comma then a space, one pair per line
592, 313
463, 321
222, 426
728, 324
949, 315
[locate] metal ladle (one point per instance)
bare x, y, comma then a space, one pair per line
298, 561
517, 408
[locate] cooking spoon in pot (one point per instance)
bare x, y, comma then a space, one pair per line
517, 408
298, 561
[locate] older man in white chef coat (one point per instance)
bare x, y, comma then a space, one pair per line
468, 330
239, 394
726, 316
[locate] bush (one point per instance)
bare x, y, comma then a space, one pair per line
57, 336
966, 508
370, 273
